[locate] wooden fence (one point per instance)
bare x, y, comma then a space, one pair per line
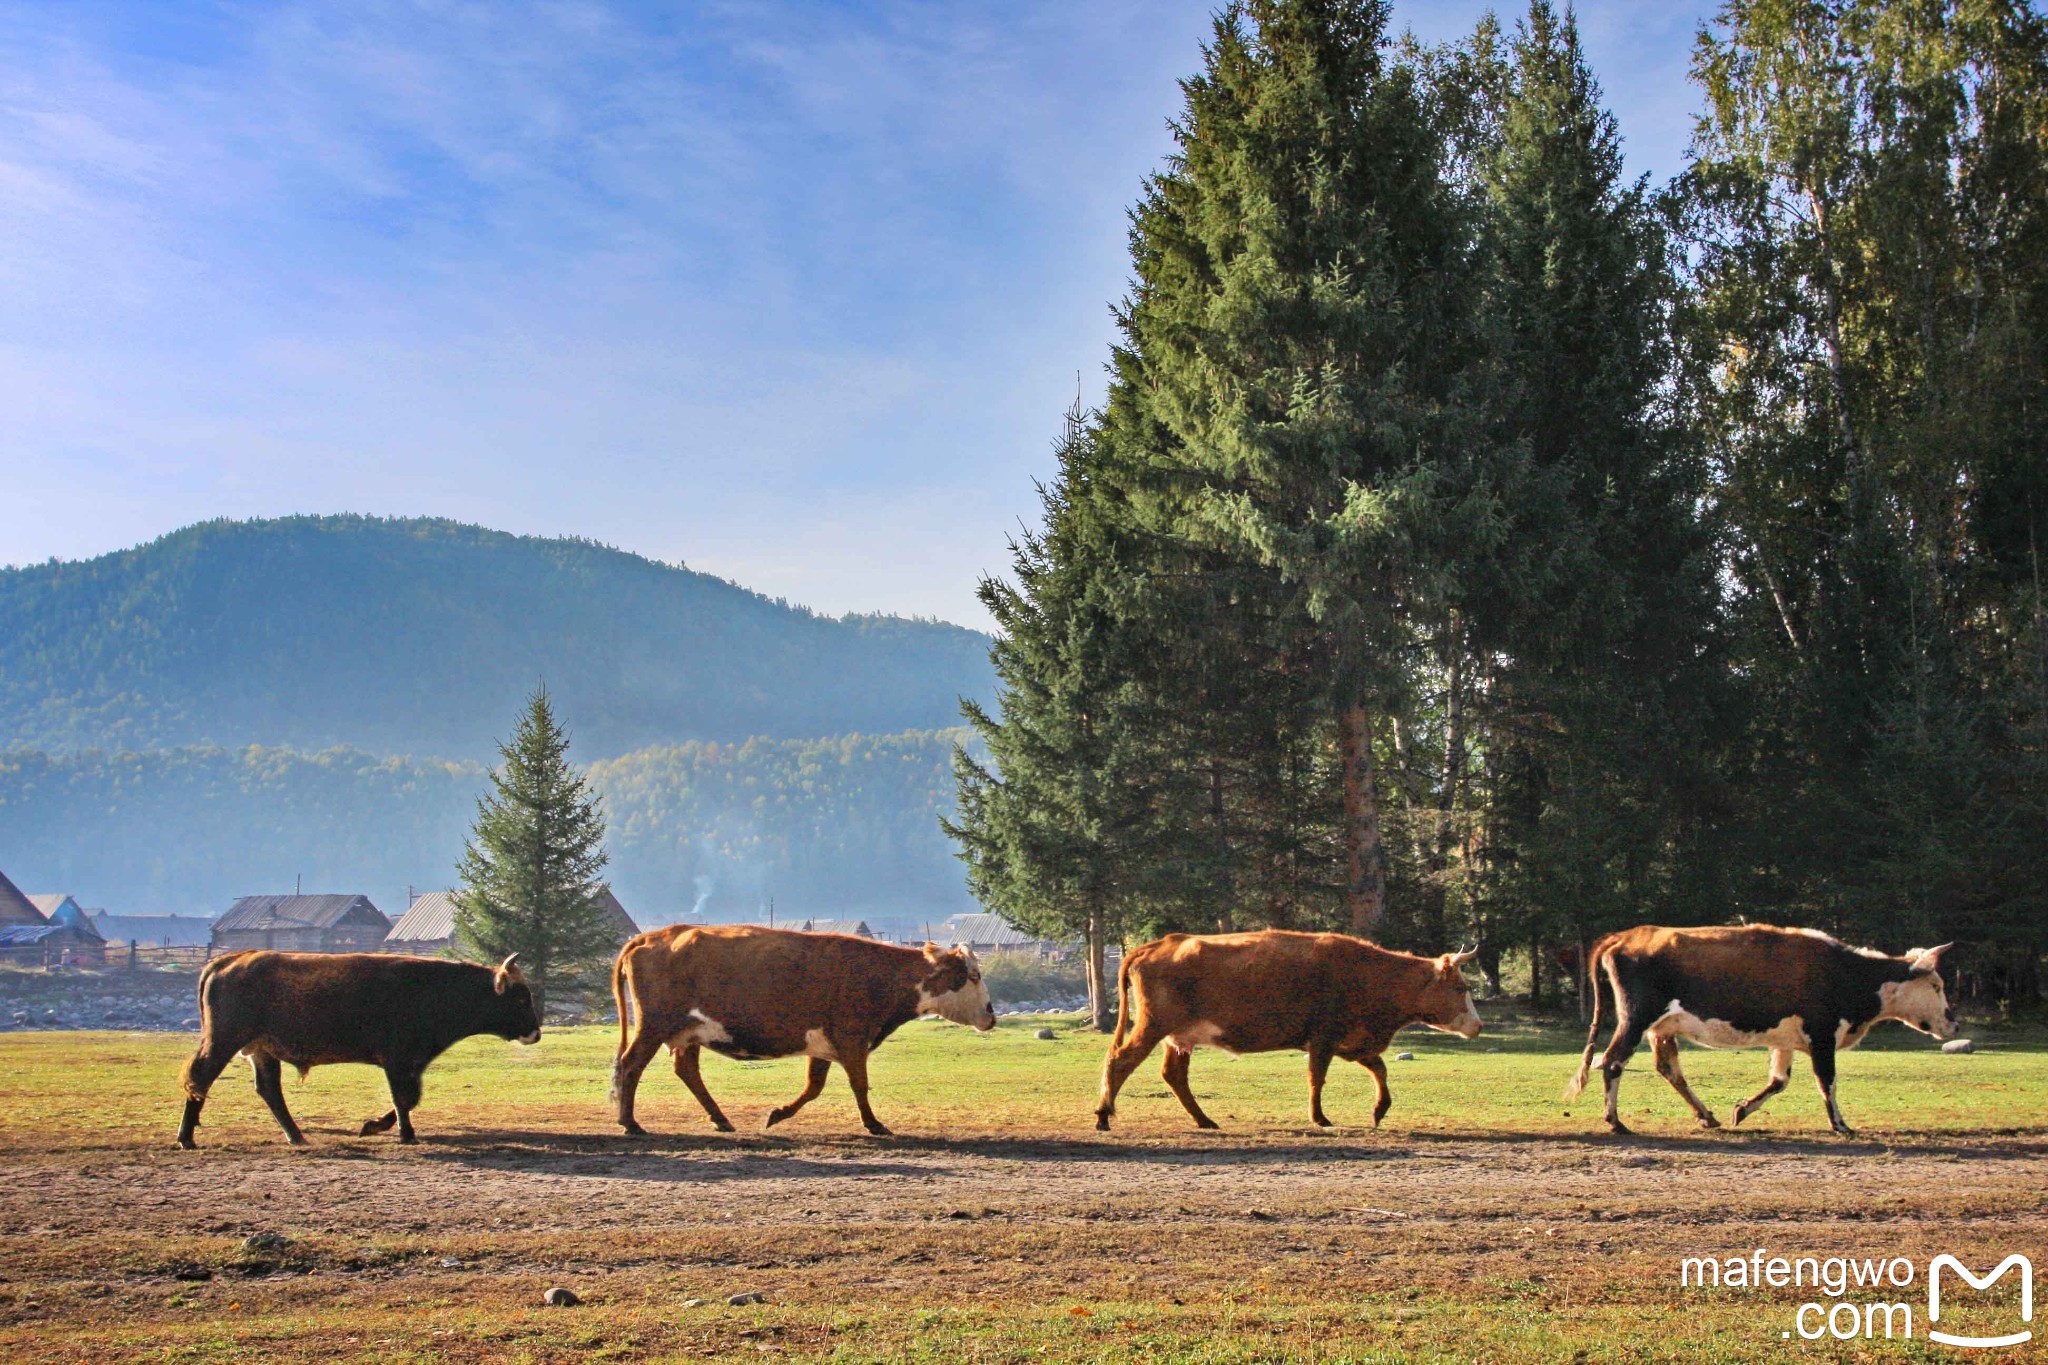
135, 957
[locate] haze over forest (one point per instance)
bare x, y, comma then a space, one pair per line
240, 704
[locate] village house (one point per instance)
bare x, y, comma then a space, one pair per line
302, 924
31, 937
989, 934
153, 931
17, 909
427, 928
856, 927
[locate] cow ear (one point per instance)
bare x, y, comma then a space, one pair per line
1928, 959
931, 951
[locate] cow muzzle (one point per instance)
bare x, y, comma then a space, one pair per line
532, 1037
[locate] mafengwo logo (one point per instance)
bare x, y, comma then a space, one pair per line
1873, 1313
1947, 1262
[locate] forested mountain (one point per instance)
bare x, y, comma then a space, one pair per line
841, 826
425, 636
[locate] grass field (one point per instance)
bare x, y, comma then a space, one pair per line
1487, 1220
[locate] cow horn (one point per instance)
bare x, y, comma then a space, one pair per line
1927, 959
1460, 959
506, 973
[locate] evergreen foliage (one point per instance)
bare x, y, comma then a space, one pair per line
1473, 542
529, 869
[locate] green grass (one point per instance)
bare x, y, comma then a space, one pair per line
934, 1076
1523, 1268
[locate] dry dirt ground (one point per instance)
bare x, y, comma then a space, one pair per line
1010, 1240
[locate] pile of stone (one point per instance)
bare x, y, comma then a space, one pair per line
133, 1003
1061, 1005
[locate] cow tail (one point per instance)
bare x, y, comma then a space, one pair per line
622, 996
185, 1078
1123, 1002
1596, 963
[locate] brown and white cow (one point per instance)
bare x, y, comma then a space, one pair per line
1755, 985
748, 992
312, 1009
1329, 995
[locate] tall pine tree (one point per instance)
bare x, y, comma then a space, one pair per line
529, 869
1285, 410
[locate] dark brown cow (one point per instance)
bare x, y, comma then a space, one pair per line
313, 1009
751, 993
1755, 985
1329, 995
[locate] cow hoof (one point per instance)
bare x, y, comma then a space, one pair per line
296, 1141
1322, 1122
1210, 1124
1740, 1115
632, 1129
1845, 1132
186, 1144
1621, 1129
775, 1116
722, 1126
1709, 1121
879, 1131
372, 1126
407, 1140
1102, 1123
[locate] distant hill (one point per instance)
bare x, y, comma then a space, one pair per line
421, 637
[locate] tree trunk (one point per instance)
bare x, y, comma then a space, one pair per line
1367, 890
1535, 970
1101, 1002
1438, 928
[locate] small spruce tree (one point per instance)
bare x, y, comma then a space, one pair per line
529, 870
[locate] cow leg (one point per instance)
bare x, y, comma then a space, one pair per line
1122, 1059
854, 1063
1175, 1069
270, 1085
692, 1075
814, 1082
1318, 1068
1822, 1051
1377, 1065
1781, 1072
1635, 1021
200, 1073
1665, 1051
405, 1097
633, 1059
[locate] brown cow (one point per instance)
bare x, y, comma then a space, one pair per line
311, 1009
1753, 985
1329, 995
748, 992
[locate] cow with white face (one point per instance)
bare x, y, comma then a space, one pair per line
1755, 985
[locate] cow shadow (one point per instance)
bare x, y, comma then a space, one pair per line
656, 1159
780, 1155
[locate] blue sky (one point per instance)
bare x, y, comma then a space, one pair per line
794, 293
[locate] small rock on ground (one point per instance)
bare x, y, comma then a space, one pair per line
558, 1297
1955, 1045
742, 1300
265, 1241
1045, 1035
1404, 1056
